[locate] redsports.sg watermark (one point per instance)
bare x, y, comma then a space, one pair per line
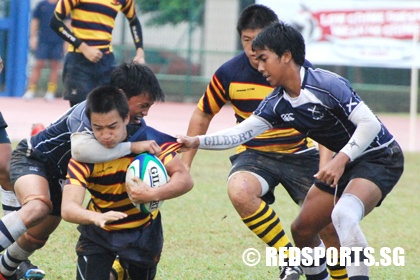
385, 256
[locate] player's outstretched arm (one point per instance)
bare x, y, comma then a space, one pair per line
85, 148
72, 209
199, 124
226, 138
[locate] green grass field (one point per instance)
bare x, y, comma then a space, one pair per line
205, 238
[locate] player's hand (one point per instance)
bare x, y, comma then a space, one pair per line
332, 170
92, 54
139, 191
109, 217
149, 146
187, 142
139, 58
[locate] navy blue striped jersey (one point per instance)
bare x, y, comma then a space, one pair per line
106, 181
237, 82
53, 143
321, 111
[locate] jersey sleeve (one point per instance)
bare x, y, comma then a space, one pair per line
167, 143
77, 173
77, 120
215, 96
61, 13
135, 25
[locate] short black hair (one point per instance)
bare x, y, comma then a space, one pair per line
104, 99
280, 37
137, 79
255, 16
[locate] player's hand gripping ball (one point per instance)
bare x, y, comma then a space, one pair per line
151, 171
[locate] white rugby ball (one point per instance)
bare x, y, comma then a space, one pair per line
151, 171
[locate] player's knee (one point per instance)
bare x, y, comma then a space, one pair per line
42, 208
348, 211
33, 242
243, 187
300, 230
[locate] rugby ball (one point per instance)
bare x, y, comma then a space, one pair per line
151, 171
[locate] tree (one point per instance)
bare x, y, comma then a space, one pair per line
173, 11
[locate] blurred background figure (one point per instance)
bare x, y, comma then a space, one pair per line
47, 47
90, 60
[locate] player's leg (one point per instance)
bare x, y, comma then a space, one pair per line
315, 214
330, 238
118, 271
94, 266
250, 191
8, 198
141, 273
19, 226
369, 179
295, 173
32, 240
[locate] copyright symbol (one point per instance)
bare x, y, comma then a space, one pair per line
251, 257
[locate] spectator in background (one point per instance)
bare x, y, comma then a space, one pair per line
90, 61
47, 47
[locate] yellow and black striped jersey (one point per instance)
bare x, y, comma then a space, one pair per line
106, 181
92, 21
237, 82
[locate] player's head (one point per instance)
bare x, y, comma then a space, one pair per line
108, 113
281, 38
141, 87
251, 21
136, 79
255, 16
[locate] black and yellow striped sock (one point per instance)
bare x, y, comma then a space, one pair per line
337, 272
267, 226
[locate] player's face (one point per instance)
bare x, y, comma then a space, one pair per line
139, 106
109, 128
246, 39
271, 66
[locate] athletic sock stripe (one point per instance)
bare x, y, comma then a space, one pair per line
258, 215
270, 217
270, 227
5, 231
10, 208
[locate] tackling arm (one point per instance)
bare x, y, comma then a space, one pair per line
234, 136
85, 148
199, 123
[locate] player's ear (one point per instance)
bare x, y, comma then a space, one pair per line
286, 57
127, 119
